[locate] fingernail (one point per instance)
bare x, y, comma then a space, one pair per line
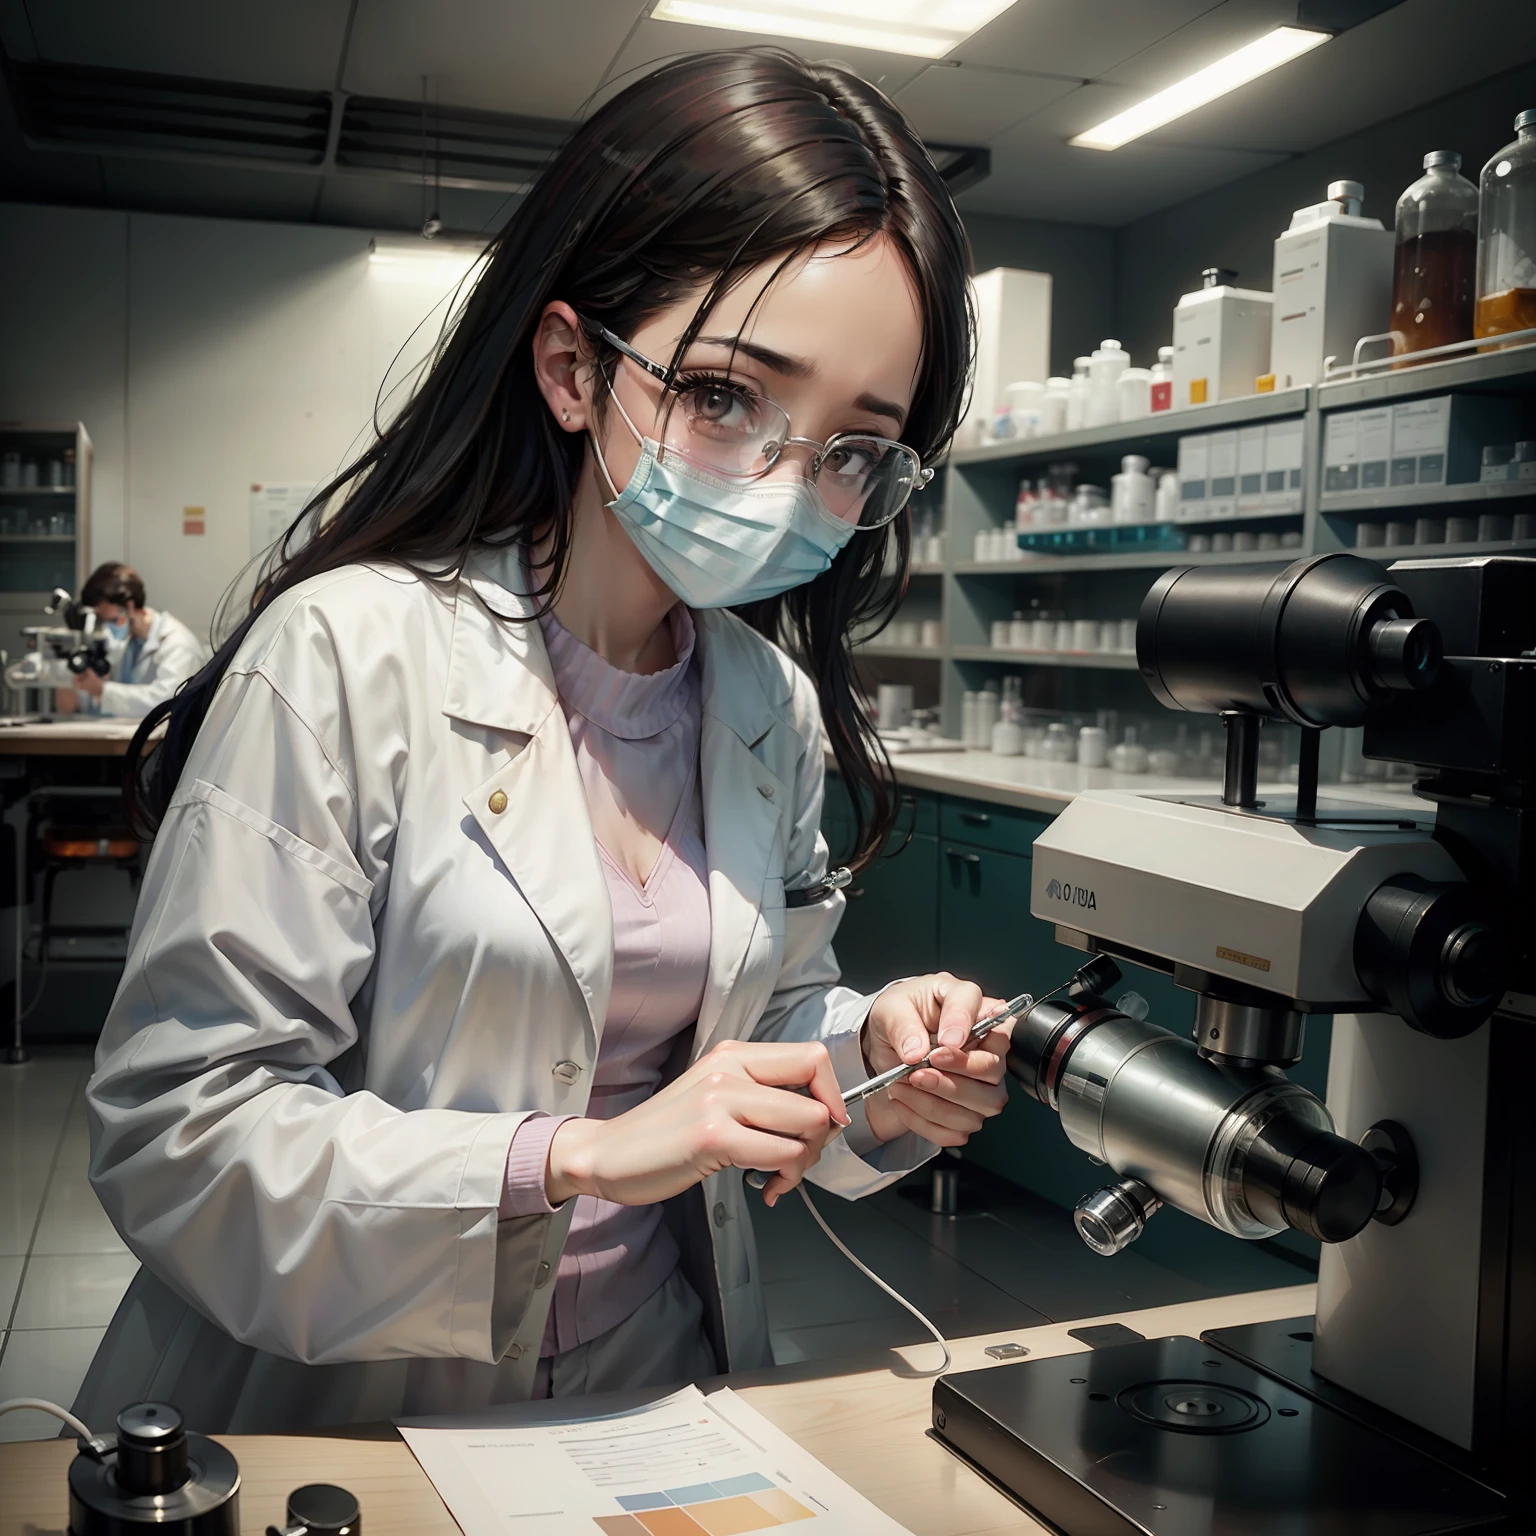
913, 1043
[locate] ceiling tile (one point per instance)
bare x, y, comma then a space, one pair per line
166, 186
1036, 174
654, 41
1070, 37
524, 56
1216, 32
972, 105
291, 43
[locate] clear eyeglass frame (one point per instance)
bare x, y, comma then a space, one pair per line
904, 473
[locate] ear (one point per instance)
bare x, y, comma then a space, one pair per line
560, 352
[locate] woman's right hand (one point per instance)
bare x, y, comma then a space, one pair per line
731, 1108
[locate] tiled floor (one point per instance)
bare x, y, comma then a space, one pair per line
1011, 1261
62, 1267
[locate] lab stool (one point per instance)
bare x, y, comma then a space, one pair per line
66, 849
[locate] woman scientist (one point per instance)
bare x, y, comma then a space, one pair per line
486, 934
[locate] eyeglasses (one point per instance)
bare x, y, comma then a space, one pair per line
719, 424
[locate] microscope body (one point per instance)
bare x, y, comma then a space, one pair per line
1415, 929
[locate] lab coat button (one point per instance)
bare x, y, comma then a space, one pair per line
515, 1353
766, 791
565, 1072
720, 1214
541, 1275
498, 802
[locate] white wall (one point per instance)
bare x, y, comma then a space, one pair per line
204, 355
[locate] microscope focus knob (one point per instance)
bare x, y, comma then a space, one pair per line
1112, 1218
1318, 1183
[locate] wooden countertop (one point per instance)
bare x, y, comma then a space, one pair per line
859, 1418
66, 738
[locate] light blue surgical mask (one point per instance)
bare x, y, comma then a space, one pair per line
717, 543
117, 633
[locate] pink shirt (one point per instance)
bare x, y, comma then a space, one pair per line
637, 748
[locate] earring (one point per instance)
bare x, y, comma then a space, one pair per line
565, 415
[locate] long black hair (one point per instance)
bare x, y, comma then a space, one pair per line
692, 176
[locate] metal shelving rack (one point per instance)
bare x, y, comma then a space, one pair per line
979, 487
32, 564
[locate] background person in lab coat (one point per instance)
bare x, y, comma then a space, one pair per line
153, 653
484, 937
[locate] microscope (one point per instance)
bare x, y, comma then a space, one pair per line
1408, 1404
59, 653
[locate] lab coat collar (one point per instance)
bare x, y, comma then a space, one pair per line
499, 673
156, 634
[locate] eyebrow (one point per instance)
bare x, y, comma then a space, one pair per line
798, 368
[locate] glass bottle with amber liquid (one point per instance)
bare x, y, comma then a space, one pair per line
1506, 252
1434, 278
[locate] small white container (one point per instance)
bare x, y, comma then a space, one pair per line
1085, 634
1164, 762
1108, 362
1053, 406
981, 545
932, 634
1243, 540
1199, 543
1221, 543
1269, 541
1063, 638
1495, 527
1093, 746
1429, 530
907, 632
1026, 401
1019, 630
1000, 631
1461, 530
1127, 636
1133, 390
988, 708
1290, 540
1524, 525
1008, 736
1167, 500
1399, 533
968, 713
1130, 756
1042, 634
893, 709
1077, 394
1132, 498
1162, 380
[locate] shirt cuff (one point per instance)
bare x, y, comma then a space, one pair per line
523, 1193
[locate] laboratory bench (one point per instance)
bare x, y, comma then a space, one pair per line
865, 1419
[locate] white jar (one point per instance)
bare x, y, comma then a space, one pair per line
1058, 746
1026, 401
1128, 636
1167, 507
1000, 630
968, 716
1053, 406
932, 635
1269, 541
1018, 633
1131, 496
1162, 380
1093, 746
981, 545
1077, 394
1244, 540
1134, 392
1130, 756
1108, 362
1008, 736
1042, 634
1221, 543
988, 708
1085, 634
1063, 639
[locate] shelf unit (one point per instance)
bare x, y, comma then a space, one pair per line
33, 564
977, 487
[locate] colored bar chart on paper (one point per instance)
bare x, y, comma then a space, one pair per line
682, 1465
729, 1506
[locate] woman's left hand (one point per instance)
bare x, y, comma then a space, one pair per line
948, 1101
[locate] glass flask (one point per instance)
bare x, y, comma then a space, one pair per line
1434, 277
1506, 257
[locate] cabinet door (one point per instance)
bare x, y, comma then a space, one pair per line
890, 926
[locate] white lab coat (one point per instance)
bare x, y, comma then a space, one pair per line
171, 654
352, 976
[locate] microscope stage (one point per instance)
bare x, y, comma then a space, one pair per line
1169, 1436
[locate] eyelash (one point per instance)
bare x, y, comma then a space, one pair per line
690, 381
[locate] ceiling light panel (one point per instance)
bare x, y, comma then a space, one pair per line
926, 29
1205, 85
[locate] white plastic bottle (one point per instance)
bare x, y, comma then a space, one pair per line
1167, 495
1018, 631
1133, 393
1008, 733
968, 714
1053, 407
1077, 394
988, 708
1108, 362
1131, 495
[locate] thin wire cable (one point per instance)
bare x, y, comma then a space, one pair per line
869, 1274
13, 1404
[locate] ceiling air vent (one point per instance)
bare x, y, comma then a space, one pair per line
457, 146
116, 112
961, 165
